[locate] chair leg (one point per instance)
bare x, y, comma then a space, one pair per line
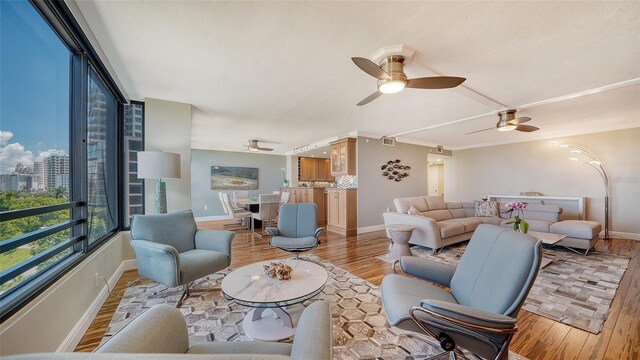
185, 294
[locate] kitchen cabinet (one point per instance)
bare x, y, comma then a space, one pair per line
343, 157
342, 211
303, 195
312, 169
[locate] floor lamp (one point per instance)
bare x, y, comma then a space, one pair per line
580, 154
159, 165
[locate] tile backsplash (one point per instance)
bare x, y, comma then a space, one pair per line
316, 184
347, 182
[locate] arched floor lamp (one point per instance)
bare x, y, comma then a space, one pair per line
581, 154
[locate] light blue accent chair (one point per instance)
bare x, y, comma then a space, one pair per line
487, 289
171, 250
297, 229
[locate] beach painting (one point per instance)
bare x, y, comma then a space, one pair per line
234, 178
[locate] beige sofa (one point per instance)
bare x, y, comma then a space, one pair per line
445, 223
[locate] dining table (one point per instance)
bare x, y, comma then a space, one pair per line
251, 203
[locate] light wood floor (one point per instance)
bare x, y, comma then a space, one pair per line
538, 337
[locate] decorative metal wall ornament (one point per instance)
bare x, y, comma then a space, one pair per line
394, 170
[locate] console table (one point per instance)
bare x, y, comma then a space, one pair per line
580, 214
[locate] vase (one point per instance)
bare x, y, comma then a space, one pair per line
523, 227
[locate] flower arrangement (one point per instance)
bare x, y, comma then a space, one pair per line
519, 224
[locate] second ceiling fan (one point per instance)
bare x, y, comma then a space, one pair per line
391, 77
507, 121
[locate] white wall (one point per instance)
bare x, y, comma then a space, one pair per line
375, 192
168, 128
539, 166
57, 318
269, 176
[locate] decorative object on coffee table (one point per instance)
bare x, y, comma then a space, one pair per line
400, 236
278, 270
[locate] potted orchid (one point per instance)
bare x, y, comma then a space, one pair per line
519, 224
285, 182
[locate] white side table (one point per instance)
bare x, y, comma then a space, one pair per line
400, 236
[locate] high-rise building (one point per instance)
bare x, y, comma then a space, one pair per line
96, 145
133, 135
15, 182
38, 176
53, 165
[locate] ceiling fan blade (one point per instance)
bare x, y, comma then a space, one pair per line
477, 131
527, 128
265, 149
520, 120
435, 82
370, 68
369, 98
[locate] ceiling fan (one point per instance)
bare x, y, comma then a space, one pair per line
507, 121
391, 77
253, 146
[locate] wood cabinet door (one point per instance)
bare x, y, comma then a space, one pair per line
335, 159
342, 205
320, 172
307, 169
333, 208
304, 195
327, 171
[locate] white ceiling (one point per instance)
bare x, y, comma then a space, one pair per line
281, 71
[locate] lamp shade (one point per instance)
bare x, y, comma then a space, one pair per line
158, 165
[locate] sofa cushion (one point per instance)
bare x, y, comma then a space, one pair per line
470, 224
449, 228
488, 220
414, 211
458, 213
438, 215
578, 229
534, 225
486, 208
542, 212
435, 202
403, 204
454, 205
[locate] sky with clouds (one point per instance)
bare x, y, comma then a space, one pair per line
34, 87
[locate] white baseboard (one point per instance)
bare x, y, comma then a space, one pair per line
214, 218
73, 339
625, 235
368, 229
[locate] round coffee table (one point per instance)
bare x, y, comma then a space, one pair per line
250, 286
400, 236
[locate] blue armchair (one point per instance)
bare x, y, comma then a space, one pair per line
488, 287
297, 229
172, 251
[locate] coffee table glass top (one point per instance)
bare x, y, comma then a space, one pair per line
250, 286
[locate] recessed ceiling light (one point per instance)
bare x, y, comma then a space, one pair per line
324, 152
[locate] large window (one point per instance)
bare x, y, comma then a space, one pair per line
59, 150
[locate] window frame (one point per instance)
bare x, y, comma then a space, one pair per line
83, 57
124, 225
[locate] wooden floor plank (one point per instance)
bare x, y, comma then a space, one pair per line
537, 338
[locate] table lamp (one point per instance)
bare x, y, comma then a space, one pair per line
159, 165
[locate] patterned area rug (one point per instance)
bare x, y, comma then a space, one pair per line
360, 328
573, 289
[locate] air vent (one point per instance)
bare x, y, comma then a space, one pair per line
439, 149
389, 141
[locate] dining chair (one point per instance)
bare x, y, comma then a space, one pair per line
269, 204
242, 215
239, 195
238, 225
284, 198
276, 192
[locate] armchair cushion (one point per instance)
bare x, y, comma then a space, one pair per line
294, 243
241, 347
215, 240
175, 229
427, 269
400, 293
469, 314
297, 220
157, 261
195, 264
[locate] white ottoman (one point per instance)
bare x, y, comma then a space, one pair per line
581, 234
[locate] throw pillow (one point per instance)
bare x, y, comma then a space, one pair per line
486, 208
414, 211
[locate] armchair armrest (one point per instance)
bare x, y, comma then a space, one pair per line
215, 240
464, 316
273, 231
427, 270
318, 232
161, 329
158, 262
313, 340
